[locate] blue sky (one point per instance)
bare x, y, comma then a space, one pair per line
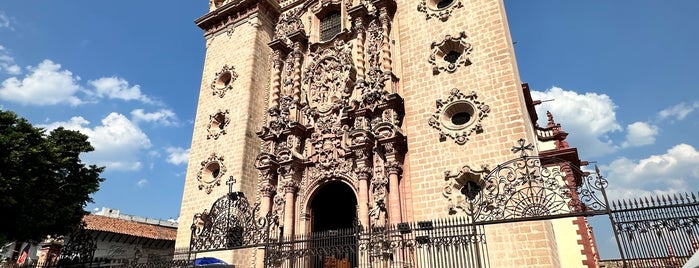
622, 74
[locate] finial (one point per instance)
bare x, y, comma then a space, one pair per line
550, 123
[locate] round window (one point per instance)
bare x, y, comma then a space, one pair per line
224, 80
458, 115
211, 172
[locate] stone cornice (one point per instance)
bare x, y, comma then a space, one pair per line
234, 12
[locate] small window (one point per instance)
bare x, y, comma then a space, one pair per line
444, 3
452, 56
330, 25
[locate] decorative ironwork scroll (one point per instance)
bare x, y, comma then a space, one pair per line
80, 247
531, 187
231, 223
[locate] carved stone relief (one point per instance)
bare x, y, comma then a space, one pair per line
210, 173
459, 116
329, 76
449, 54
217, 124
466, 183
289, 22
440, 9
223, 80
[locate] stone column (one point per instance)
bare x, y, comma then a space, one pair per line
276, 78
267, 191
290, 187
363, 175
359, 27
386, 60
298, 55
393, 168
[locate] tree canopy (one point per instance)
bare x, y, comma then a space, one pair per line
44, 186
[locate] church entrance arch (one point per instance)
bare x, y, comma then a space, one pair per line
333, 214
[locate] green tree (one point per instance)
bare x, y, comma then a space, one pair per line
43, 183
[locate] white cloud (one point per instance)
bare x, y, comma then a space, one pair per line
5, 21
117, 141
678, 111
141, 183
589, 117
7, 63
47, 84
163, 116
177, 155
639, 134
118, 88
672, 171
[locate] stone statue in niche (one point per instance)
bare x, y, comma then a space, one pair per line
378, 213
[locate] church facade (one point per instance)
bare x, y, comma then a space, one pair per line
333, 113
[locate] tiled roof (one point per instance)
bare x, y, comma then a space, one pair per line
134, 228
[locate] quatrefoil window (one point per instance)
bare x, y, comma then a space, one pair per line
450, 54
223, 80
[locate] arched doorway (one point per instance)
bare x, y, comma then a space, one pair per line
333, 212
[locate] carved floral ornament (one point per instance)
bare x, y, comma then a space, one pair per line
217, 124
450, 53
223, 80
440, 9
459, 116
211, 172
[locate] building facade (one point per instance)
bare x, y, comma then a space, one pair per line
331, 113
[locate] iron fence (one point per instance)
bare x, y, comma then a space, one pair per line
440, 243
658, 231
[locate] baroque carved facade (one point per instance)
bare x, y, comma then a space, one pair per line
334, 113
299, 95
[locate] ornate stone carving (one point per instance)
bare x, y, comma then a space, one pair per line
279, 116
329, 160
466, 183
211, 172
267, 189
377, 212
450, 54
329, 76
289, 22
438, 9
217, 124
459, 116
394, 168
278, 207
223, 80
290, 185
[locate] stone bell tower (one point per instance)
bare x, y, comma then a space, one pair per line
331, 113
231, 106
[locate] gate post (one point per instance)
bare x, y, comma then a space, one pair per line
608, 211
